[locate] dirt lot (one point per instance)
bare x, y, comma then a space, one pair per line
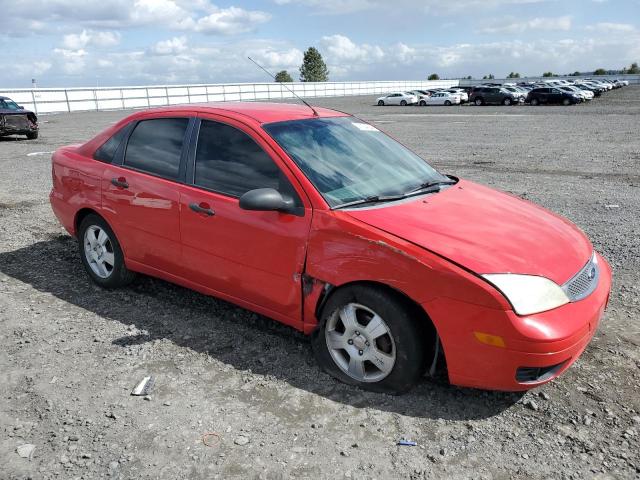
70, 353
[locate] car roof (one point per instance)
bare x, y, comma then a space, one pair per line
261, 112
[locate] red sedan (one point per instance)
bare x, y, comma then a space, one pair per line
321, 221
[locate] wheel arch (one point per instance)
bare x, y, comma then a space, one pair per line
81, 215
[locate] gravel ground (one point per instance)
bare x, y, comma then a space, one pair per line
70, 353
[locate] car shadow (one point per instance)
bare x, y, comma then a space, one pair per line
230, 334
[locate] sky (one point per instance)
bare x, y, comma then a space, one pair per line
145, 42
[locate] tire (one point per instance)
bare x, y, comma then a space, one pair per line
447, 103
399, 345
535, 102
32, 135
403, 103
105, 265
479, 101
381, 103
423, 103
566, 102
506, 102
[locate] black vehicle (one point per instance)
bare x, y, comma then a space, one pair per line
15, 120
549, 95
492, 95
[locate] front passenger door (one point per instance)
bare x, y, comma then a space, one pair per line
254, 258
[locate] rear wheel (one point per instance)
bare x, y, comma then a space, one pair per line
479, 101
380, 103
101, 254
403, 103
368, 337
423, 103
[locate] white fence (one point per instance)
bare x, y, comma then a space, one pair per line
52, 100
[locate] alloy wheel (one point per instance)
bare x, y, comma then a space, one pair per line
360, 343
98, 251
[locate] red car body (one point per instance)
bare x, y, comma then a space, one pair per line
431, 248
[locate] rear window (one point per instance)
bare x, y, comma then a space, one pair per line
155, 146
108, 150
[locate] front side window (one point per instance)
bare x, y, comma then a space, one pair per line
8, 105
349, 160
155, 146
230, 162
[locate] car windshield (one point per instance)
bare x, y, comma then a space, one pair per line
9, 104
349, 160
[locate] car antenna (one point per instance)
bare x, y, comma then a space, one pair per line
315, 114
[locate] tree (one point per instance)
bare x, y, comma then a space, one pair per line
513, 75
549, 74
469, 77
600, 71
488, 77
634, 69
283, 76
434, 76
575, 74
313, 68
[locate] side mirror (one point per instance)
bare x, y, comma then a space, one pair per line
266, 200
20, 107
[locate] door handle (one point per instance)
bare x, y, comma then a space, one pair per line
202, 208
120, 182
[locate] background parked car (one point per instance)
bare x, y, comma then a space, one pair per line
443, 98
548, 95
464, 96
422, 95
15, 120
584, 94
493, 95
398, 98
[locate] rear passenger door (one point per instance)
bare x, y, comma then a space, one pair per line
140, 198
250, 257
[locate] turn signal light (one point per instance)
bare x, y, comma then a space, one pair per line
493, 340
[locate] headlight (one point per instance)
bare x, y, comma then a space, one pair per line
528, 293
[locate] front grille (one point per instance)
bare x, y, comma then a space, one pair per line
537, 374
17, 122
583, 283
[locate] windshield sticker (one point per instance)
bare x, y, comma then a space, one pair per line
365, 127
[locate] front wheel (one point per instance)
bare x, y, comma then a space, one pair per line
535, 102
32, 135
403, 103
101, 254
380, 103
423, 103
566, 102
447, 103
506, 102
368, 337
479, 101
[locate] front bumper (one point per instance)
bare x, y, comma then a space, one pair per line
548, 342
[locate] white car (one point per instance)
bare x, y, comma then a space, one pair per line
443, 98
422, 95
464, 96
584, 94
398, 98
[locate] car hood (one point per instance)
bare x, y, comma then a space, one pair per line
485, 231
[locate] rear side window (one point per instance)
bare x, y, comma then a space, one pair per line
230, 162
108, 149
155, 146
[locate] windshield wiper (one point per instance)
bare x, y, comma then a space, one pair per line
371, 199
429, 186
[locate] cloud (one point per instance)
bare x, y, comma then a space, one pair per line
198, 15
76, 41
509, 25
435, 7
608, 27
173, 46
